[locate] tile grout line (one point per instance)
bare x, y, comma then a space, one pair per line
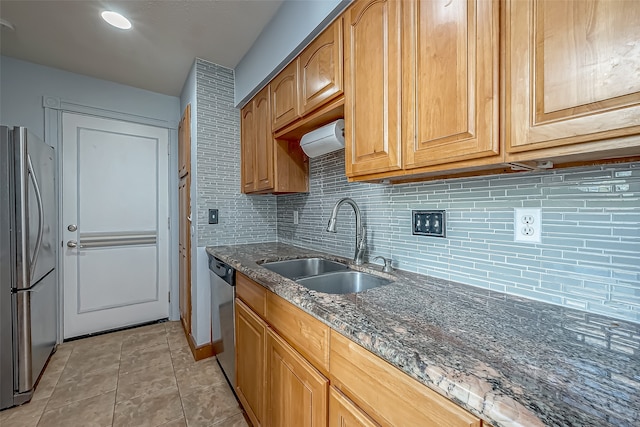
173, 367
115, 395
64, 366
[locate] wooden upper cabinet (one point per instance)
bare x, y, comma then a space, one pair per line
572, 78
450, 72
284, 96
372, 85
247, 148
269, 165
320, 66
264, 141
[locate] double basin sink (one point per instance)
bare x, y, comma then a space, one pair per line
326, 276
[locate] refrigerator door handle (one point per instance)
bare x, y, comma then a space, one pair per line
36, 187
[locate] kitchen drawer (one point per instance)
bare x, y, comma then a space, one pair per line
388, 395
343, 412
252, 294
305, 333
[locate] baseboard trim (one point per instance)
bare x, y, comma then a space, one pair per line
217, 347
199, 352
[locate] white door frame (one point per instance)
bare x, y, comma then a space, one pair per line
53, 109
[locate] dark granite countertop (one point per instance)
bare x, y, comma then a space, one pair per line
509, 360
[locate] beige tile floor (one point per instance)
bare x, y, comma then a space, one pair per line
139, 377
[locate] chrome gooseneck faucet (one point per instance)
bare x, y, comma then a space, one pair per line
361, 232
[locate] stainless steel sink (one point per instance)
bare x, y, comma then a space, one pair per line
304, 267
343, 282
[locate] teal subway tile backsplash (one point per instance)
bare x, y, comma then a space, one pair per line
243, 219
589, 256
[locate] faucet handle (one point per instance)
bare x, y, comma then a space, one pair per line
387, 264
362, 244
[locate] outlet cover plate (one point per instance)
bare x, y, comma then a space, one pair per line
527, 225
429, 223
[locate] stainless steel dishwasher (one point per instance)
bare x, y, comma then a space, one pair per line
223, 290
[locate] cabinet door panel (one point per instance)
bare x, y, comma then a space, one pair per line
451, 67
321, 69
572, 74
296, 392
248, 148
284, 96
372, 87
251, 334
184, 143
264, 142
184, 247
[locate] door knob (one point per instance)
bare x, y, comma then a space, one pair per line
72, 227
72, 244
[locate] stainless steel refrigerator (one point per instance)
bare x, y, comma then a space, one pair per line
28, 278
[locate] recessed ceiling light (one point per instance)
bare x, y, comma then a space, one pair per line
115, 19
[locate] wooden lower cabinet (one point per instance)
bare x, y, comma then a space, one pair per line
252, 294
387, 394
344, 413
296, 391
280, 385
251, 333
308, 335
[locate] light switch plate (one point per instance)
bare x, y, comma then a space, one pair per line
429, 223
213, 216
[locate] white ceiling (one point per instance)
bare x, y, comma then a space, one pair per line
156, 54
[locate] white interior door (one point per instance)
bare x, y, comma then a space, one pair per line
115, 223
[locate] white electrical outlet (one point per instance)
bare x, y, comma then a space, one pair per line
527, 226
295, 218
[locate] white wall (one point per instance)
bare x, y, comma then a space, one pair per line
23, 85
295, 24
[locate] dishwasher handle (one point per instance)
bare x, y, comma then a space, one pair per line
222, 270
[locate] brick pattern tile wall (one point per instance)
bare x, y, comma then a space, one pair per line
589, 257
242, 219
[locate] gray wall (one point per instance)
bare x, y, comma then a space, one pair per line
23, 84
295, 24
589, 257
